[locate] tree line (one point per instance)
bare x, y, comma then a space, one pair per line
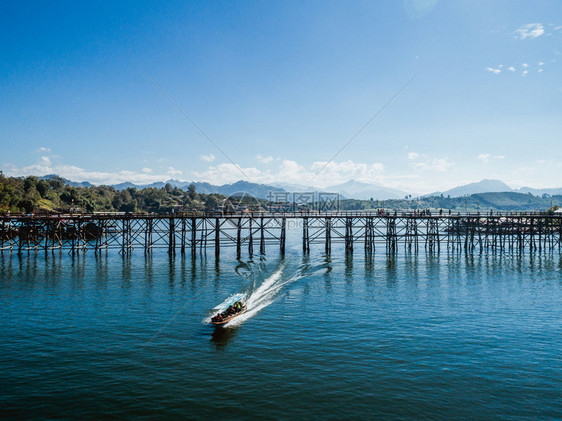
53, 194
34, 194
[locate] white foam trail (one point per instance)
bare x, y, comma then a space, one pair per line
263, 296
267, 287
257, 299
266, 293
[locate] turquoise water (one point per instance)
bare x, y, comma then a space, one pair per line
410, 336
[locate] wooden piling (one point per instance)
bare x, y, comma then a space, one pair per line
217, 237
283, 236
262, 237
239, 238
305, 236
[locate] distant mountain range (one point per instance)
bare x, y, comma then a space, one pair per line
484, 186
67, 181
261, 191
363, 191
493, 186
540, 192
351, 190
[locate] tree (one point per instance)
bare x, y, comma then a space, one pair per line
29, 183
192, 192
211, 203
43, 188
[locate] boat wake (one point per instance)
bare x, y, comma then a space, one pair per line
266, 293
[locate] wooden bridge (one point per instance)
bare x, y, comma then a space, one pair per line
261, 232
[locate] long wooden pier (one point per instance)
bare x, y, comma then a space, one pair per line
260, 232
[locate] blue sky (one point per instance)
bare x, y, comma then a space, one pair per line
280, 87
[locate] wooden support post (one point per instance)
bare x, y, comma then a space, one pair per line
47, 235
172, 237
150, 233
262, 237
123, 234
78, 236
532, 233
559, 234
217, 237
305, 236
193, 237
2, 236
251, 239
283, 236
366, 235
328, 225
183, 235
103, 235
349, 235
239, 238
539, 234
204, 234
437, 235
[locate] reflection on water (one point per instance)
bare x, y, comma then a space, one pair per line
326, 276
52, 268
221, 336
414, 335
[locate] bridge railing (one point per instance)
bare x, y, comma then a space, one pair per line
293, 214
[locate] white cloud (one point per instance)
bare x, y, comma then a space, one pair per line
484, 157
43, 149
45, 167
525, 65
228, 173
525, 72
413, 155
208, 158
340, 172
494, 71
320, 173
531, 30
436, 164
45, 160
541, 63
511, 68
264, 159
172, 172
540, 70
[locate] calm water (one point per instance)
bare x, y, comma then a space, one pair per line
447, 336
